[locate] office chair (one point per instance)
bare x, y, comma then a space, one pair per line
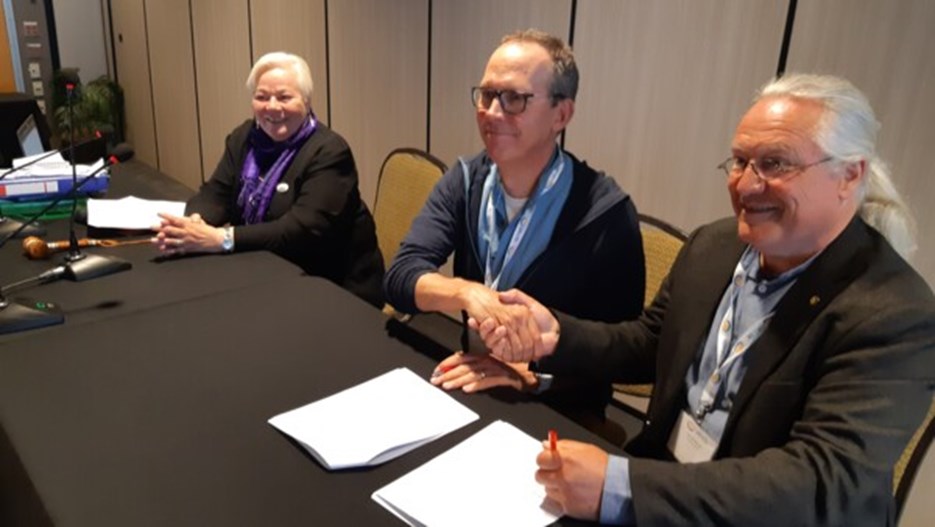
661, 244
407, 177
907, 466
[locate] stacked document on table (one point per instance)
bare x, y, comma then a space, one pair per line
51, 164
375, 421
488, 479
49, 177
130, 212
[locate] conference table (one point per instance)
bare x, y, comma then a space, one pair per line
149, 405
152, 281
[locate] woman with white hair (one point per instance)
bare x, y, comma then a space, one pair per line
286, 183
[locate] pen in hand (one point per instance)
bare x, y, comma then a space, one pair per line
440, 370
553, 439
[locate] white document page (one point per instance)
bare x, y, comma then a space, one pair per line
45, 169
130, 212
375, 421
55, 158
487, 479
51, 167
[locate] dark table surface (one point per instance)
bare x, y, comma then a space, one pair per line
153, 281
148, 406
158, 417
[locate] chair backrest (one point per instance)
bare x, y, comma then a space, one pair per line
406, 180
661, 244
904, 472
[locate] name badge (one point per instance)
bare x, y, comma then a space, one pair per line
282, 187
689, 443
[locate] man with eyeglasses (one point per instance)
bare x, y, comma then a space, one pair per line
525, 214
792, 347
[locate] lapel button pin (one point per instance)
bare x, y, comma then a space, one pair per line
813, 301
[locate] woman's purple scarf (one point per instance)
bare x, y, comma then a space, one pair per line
264, 154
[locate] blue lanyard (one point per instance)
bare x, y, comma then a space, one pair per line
730, 347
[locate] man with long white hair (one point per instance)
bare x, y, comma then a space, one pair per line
792, 347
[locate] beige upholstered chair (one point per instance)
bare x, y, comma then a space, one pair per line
661, 244
904, 472
406, 180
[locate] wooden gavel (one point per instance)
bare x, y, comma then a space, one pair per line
36, 248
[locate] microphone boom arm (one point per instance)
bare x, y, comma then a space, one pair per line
52, 275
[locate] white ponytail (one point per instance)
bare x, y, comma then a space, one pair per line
848, 131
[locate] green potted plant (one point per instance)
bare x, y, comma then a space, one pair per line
96, 106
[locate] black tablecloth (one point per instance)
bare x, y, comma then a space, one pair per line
148, 406
159, 417
153, 281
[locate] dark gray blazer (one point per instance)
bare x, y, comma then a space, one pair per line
834, 389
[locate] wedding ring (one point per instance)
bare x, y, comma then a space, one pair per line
482, 374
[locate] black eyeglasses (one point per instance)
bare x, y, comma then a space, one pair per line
512, 102
766, 168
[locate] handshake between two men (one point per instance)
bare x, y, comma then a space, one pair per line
528, 332
790, 346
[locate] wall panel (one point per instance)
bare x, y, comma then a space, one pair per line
464, 34
886, 49
79, 29
133, 75
173, 80
222, 62
296, 26
379, 53
663, 84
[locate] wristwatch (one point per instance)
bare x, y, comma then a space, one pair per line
544, 382
227, 243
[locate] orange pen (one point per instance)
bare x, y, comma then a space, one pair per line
553, 439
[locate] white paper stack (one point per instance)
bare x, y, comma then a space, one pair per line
130, 212
487, 479
50, 177
375, 421
53, 166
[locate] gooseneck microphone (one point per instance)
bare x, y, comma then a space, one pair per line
52, 275
26, 313
23, 313
70, 94
84, 266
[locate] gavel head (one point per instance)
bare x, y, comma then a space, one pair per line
35, 248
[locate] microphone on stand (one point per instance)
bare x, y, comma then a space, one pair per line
25, 313
21, 314
70, 95
84, 266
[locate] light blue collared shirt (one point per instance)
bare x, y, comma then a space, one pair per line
754, 299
